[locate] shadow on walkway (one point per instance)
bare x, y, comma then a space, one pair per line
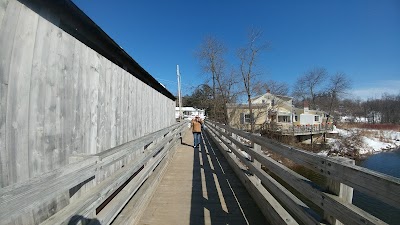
217, 194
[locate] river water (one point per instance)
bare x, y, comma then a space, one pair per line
387, 163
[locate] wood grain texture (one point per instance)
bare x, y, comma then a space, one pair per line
101, 107
118, 77
93, 77
331, 204
133, 210
18, 95
8, 29
271, 208
124, 103
3, 8
66, 98
51, 130
66, 88
130, 110
84, 102
76, 105
368, 181
113, 105
37, 94
29, 199
108, 109
198, 188
61, 100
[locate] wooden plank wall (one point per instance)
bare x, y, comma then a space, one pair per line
59, 98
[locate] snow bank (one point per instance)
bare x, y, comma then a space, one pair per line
376, 141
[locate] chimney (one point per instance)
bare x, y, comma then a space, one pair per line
268, 91
306, 107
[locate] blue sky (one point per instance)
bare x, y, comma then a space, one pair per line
358, 37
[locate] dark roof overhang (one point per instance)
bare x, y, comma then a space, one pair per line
75, 22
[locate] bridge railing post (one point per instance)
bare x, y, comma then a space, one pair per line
341, 190
234, 136
257, 164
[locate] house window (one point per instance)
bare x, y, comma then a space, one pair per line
295, 118
245, 118
316, 118
263, 101
283, 118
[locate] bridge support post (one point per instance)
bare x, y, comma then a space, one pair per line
343, 191
234, 136
257, 164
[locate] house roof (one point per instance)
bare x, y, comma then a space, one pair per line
189, 108
284, 98
75, 22
285, 101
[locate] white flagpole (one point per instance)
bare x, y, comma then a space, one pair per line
179, 93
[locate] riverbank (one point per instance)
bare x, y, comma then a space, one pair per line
350, 142
360, 143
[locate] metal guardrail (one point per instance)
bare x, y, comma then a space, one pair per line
281, 206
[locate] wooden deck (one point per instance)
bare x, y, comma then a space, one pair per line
200, 188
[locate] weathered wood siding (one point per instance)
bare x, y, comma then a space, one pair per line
60, 98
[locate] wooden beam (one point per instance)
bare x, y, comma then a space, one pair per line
345, 212
368, 181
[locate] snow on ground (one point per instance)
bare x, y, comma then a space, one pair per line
374, 140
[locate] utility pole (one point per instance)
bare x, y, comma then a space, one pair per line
179, 93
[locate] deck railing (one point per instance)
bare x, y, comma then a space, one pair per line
91, 186
299, 129
280, 205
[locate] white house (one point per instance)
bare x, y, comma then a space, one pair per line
189, 113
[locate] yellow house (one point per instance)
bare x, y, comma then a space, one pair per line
267, 108
276, 112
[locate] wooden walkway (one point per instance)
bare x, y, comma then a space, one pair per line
200, 188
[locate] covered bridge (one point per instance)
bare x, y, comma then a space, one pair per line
87, 136
67, 90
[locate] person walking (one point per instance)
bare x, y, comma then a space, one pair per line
196, 125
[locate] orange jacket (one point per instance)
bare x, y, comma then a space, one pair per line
196, 125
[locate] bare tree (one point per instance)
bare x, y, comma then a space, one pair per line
337, 86
200, 98
248, 56
310, 85
211, 55
383, 110
275, 87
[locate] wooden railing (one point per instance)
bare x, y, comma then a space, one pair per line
93, 186
281, 206
299, 129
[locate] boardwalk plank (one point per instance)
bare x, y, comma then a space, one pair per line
200, 188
